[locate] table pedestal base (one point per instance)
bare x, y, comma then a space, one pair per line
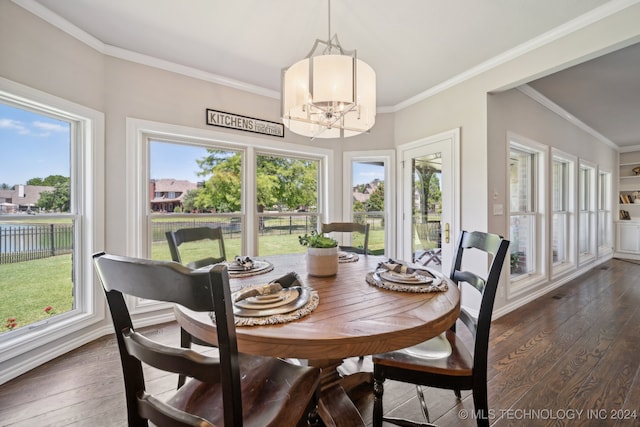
335, 408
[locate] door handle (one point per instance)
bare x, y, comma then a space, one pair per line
446, 233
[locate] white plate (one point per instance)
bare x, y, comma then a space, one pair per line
262, 302
302, 297
345, 255
407, 279
235, 268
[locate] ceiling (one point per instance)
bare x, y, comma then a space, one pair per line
603, 93
414, 46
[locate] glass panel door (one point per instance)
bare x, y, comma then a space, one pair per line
426, 215
428, 211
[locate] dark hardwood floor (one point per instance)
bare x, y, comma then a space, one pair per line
570, 358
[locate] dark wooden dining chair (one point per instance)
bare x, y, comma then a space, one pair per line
231, 389
349, 227
187, 246
459, 368
194, 240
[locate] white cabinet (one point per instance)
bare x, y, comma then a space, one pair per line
628, 237
628, 228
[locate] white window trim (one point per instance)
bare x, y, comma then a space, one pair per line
527, 283
137, 173
601, 250
561, 269
593, 200
388, 157
66, 332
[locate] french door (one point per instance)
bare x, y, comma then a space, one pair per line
429, 207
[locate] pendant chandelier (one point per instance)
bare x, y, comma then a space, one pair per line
330, 93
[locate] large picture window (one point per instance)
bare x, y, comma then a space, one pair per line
50, 193
37, 221
194, 186
562, 206
587, 212
526, 210
287, 202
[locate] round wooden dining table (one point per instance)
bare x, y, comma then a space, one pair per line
353, 318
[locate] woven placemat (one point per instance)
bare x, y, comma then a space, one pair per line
314, 300
437, 285
274, 319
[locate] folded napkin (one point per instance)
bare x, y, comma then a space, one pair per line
275, 286
288, 280
254, 291
397, 267
244, 261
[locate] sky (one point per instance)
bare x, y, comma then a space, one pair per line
36, 146
31, 146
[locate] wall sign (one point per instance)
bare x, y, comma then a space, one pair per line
249, 124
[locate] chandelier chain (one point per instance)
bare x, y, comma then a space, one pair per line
329, 19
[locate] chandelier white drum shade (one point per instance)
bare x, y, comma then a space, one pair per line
329, 95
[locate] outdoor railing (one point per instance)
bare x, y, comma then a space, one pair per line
26, 242
231, 225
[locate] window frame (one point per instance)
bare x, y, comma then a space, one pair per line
388, 158
560, 268
87, 208
527, 282
321, 202
591, 211
605, 207
140, 132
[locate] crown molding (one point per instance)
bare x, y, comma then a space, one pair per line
57, 21
154, 62
552, 106
128, 55
629, 148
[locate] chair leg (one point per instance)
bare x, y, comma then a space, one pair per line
185, 342
423, 403
313, 418
458, 394
378, 390
481, 405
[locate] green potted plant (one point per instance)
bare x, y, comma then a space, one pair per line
322, 254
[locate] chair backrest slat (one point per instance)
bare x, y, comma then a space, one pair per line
176, 360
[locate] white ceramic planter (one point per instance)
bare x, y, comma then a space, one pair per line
322, 262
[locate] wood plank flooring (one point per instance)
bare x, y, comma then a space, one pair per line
570, 358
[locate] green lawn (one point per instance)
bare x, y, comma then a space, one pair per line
27, 288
